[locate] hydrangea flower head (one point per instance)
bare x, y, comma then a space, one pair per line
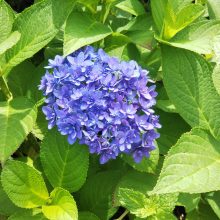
102, 102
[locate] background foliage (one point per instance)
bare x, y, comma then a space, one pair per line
43, 177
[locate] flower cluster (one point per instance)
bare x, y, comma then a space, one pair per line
102, 102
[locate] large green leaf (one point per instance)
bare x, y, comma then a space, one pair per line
65, 165
17, 119
62, 206
38, 25
96, 194
29, 189
198, 37
6, 20
191, 166
82, 30
188, 81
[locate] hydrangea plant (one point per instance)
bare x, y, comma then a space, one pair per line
102, 102
123, 122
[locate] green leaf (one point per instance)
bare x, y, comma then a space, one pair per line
141, 182
204, 212
158, 8
142, 206
216, 78
87, 216
130, 52
6, 20
116, 40
38, 25
188, 81
29, 189
82, 30
163, 101
19, 79
136, 202
177, 5
148, 165
17, 119
213, 7
3, 217
216, 57
142, 38
214, 201
191, 165
7, 207
133, 7
198, 37
27, 215
32, 88
9, 42
62, 206
176, 21
189, 201
166, 105
140, 23
90, 4
41, 126
96, 194
65, 165
170, 132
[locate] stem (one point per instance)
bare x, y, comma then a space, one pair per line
40, 102
123, 215
5, 89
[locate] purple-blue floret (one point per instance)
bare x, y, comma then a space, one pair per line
102, 102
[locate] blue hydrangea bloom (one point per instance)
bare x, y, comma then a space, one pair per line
102, 102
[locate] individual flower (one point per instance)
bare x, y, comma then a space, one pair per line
102, 102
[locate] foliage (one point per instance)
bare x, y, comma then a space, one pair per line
44, 177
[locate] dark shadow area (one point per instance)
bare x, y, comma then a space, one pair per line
120, 211
180, 212
20, 5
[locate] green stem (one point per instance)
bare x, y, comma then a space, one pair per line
123, 215
40, 102
5, 89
